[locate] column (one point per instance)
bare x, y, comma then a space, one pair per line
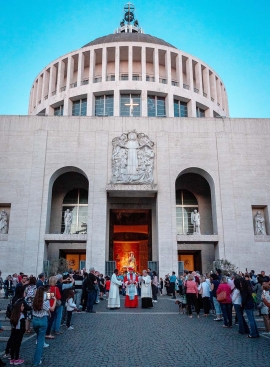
130, 62
206, 82
117, 63
189, 74
213, 87
104, 64
143, 63
90, 104
144, 103
116, 105
179, 68
70, 71
40, 85
60, 78
218, 91
198, 76
45, 81
91, 66
168, 68
156, 65
80, 69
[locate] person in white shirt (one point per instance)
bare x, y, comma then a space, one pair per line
71, 306
204, 290
237, 304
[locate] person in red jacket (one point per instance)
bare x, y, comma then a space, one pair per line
131, 283
52, 293
226, 304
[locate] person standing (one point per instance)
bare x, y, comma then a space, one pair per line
146, 290
71, 306
265, 309
154, 286
131, 281
54, 293
172, 284
161, 283
192, 295
226, 303
91, 290
17, 321
114, 297
78, 280
41, 280
204, 290
237, 304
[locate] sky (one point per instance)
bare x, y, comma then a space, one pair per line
231, 36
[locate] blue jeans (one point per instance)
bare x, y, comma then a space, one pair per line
40, 326
90, 300
217, 306
243, 326
252, 323
57, 319
226, 309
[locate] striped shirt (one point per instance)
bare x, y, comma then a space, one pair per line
44, 311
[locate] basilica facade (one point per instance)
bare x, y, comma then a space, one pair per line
129, 157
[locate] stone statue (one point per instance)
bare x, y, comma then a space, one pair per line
68, 221
259, 224
196, 221
132, 159
3, 222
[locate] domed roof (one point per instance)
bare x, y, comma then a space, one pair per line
129, 37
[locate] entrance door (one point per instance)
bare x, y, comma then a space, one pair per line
130, 239
192, 260
75, 260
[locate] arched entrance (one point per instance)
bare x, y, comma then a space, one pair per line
194, 190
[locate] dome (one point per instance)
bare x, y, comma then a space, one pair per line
128, 37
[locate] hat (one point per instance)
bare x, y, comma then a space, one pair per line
130, 269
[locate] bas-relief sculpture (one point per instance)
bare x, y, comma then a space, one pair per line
132, 159
259, 224
196, 221
3, 222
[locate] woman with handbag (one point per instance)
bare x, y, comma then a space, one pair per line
54, 293
224, 298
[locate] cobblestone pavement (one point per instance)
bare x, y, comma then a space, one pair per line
138, 337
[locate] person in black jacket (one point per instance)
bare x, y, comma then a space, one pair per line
90, 284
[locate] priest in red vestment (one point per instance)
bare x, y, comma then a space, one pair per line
131, 283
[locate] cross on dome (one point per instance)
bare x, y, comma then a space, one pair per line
129, 24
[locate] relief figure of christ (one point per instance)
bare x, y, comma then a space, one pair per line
132, 146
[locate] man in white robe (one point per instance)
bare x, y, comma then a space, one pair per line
146, 290
114, 298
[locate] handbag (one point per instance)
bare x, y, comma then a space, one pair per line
221, 296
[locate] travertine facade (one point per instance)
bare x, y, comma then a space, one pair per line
228, 153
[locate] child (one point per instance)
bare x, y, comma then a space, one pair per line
71, 306
17, 321
107, 286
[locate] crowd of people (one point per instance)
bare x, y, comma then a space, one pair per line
42, 305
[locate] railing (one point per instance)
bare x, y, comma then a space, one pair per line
150, 78
205, 94
110, 78
85, 81
174, 83
196, 90
136, 77
163, 81
54, 93
212, 99
185, 86
73, 85
62, 89
124, 77
46, 97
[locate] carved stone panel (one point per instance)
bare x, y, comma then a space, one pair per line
132, 159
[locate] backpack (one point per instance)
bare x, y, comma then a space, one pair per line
10, 308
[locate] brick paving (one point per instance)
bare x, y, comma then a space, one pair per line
157, 337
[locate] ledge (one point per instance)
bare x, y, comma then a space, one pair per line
262, 238
126, 190
65, 237
197, 238
3, 237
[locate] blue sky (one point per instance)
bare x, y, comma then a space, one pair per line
232, 36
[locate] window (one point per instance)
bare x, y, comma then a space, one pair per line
104, 105
200, 112
130, 105
79, 107
58, 111
180, 108
77, 202
156, 106
186, 202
